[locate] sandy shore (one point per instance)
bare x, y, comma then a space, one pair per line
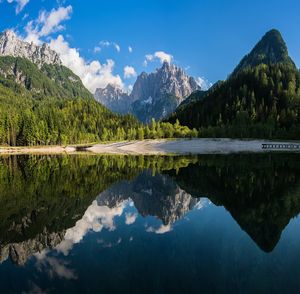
155, 147
37, 150
183, 146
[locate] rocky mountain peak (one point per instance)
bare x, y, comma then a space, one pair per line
111, 92
114, 97
11, 45
169, 79
154, 95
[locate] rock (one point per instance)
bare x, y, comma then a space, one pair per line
154, 95
114, 98
11, 45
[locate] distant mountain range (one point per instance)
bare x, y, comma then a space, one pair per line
154, 95
261, 98
43, 102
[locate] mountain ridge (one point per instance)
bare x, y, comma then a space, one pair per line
154, 95
11, 45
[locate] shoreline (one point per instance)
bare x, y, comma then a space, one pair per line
158, 147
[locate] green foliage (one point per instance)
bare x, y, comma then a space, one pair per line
25, 121
270, 50
50, 193
50, 105
49, 81
261, 101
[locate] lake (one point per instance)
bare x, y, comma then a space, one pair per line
150, 224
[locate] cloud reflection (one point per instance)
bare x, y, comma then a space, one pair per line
161, 230
130, 218
95, 218
54, 266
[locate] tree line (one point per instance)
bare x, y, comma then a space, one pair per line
261, 102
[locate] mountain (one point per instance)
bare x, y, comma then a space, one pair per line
157, 94
261, 99
38, 69
38, 205
42, 102
155, 195
154, 95
11, 45
271, 49
114, 98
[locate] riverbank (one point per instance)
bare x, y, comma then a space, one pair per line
185, 146
155, 147
38, 150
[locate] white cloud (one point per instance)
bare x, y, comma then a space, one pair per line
118, 48
129, 72
93, 74
47, 23
130, 218
203, 83
160, 55
130, 49
51, 21
106, 44
20, 4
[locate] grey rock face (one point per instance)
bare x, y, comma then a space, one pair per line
154, 95
114, 98
11, 45
169, 79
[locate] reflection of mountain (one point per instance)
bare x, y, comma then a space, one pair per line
20, 252
43, 196
155, 195
262, 192
44, 200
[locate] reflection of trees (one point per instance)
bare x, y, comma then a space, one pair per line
41, 195
262, 192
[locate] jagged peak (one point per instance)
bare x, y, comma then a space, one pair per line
12, 45
8, 34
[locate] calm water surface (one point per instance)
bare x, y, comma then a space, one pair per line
121, 224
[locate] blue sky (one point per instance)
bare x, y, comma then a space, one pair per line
207, 38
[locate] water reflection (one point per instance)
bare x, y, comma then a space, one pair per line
59, 213
262, 193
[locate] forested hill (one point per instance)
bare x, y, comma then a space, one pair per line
270, 50
50, 105
260, 99
49, 80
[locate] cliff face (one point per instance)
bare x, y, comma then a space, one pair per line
169, 79
114, 98
11, 45
154, 95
